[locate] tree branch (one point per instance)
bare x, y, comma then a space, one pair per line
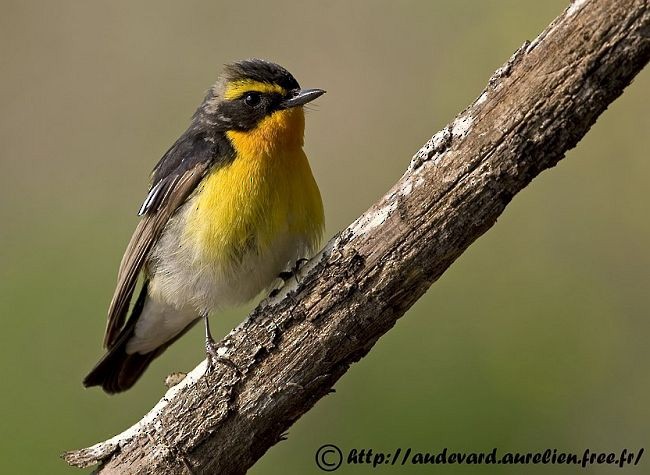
293, 348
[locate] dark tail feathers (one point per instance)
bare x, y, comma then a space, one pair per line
117, 371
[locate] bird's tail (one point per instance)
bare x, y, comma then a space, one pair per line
118, 370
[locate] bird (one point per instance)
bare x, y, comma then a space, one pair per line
232, 205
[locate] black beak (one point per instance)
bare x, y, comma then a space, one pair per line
300, 97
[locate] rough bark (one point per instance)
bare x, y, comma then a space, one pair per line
293, 348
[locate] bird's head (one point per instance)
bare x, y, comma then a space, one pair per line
258, 105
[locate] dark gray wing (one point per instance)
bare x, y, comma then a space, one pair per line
174, 179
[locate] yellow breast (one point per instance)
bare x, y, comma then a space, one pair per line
268, 190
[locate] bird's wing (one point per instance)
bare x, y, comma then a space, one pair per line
183, 167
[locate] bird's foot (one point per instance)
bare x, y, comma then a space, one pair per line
212, 350
286, 275
300, 263
213, 357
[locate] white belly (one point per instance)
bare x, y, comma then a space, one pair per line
183, 286
183, 277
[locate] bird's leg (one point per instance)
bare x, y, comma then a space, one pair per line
299, 265
212, 351
288, 274
210, 345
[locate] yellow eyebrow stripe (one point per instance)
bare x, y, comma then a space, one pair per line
235, 89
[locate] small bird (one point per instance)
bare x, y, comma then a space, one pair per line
232, 204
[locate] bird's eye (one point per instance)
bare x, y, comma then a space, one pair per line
252, 99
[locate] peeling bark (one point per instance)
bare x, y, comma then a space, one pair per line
294, 347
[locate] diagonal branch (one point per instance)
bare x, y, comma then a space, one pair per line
293, 348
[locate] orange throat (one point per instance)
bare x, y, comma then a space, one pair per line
282, 130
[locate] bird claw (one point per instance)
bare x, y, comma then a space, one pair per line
288, 274
213, 357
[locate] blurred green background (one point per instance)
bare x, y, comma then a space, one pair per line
535, 338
